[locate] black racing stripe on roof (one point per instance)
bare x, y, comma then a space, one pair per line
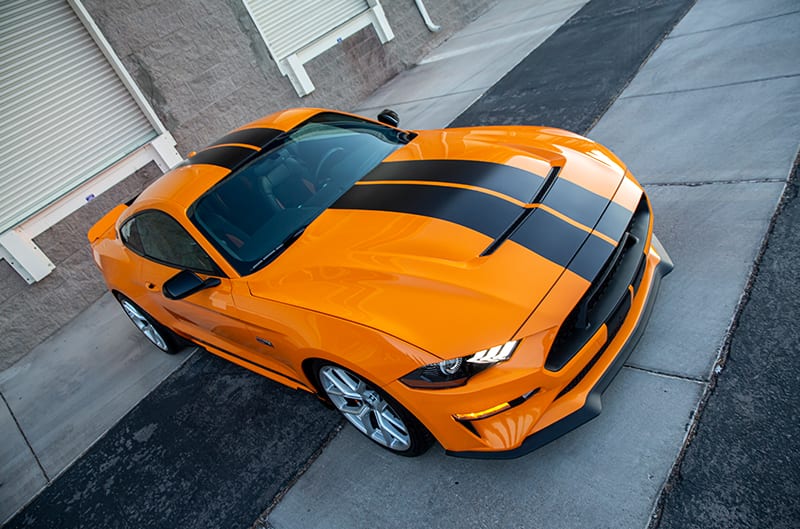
511, 181
257, 137
551, 237
481, 212
228, 156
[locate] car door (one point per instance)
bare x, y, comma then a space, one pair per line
164, 248
210, 316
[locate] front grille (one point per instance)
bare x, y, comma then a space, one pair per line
614, 322
637, 279
583, 372
608, 299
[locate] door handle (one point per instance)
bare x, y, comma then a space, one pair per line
264, 341
151, 286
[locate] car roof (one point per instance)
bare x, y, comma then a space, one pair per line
180, 187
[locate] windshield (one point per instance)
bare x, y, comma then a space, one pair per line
262, 207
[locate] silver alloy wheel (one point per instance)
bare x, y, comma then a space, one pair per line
144, 325
365, 408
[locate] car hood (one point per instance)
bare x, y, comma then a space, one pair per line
439, 245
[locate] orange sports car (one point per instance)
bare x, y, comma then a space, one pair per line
479, 287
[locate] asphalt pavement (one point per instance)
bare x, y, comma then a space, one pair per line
709, 121
574, 76
209, 447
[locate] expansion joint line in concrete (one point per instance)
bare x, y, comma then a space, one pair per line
737, 24
664, 374
714, 182
25, 438
712, 87
430, 98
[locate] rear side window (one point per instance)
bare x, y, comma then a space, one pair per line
159, 237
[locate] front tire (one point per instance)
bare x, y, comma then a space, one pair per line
158, 335
373, 412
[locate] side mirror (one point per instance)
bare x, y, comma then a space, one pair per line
186, 283
389, 117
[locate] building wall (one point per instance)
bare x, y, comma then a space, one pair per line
31, 313
204, 68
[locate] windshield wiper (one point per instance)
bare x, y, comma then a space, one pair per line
264, 261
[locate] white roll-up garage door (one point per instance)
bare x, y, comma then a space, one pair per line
288, 25
64, 113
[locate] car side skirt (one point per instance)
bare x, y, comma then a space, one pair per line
253, 366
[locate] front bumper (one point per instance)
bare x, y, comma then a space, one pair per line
545, 404
593, 404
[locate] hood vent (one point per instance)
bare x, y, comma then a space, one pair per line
537, 199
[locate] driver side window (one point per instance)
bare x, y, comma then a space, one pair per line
157, 236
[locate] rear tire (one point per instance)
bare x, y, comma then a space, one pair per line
163, 338
373, 412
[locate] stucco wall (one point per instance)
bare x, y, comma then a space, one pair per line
205, 70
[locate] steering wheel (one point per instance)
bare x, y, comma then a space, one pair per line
321, 181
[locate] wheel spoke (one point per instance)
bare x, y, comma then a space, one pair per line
393, 430
155, 337
346, 386
357, 410
393, 420
144, 325
365, 421
365, 408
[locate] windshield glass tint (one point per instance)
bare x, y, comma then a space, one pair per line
260, 208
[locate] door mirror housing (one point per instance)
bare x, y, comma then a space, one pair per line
185, 283
389, 117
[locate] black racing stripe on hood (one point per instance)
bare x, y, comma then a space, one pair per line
511, 181
548, 183
257, 137
552, 238
564, 196
614, 221
227, 156
478, 211
591, 258
541, 232
586, 207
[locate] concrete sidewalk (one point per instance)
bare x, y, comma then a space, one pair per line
67, 393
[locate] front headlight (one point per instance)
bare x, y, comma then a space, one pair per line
456, 372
